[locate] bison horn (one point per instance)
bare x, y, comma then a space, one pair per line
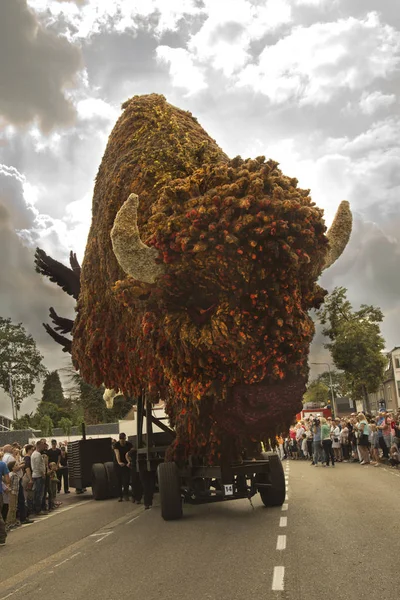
133, 256
339, 233
109, 396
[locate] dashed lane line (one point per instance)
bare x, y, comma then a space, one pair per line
14, 592
278, 580
281, 542
66, 560
134, 519
285, 506
283, 522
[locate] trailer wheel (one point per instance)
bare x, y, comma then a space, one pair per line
275, 495
112, 481
99, 482
170, 491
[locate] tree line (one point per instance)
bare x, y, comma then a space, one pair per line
22, 367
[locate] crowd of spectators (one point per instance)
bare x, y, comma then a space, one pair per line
365, 439
30, 479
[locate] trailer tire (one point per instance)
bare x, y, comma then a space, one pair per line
170, 491
112, 480
99, 482
275, 495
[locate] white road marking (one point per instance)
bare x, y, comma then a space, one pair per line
66, 560
59, 512
281, 542
278, 579
134, 519
286, 497
285, 506
103, 535
283, 522
14, 592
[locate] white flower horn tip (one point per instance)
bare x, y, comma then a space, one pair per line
339, 233
133, 256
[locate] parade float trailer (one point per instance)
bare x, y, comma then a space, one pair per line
198, 277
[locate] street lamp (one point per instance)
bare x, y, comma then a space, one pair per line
331, 384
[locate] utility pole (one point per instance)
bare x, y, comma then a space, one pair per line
10, 389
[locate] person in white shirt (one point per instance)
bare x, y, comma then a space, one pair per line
38, 476
336, 444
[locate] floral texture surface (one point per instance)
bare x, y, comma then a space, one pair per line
198, 276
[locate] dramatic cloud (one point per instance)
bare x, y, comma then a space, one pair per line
313, 64
35, 69
25, 296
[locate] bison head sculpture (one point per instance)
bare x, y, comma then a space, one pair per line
197, 280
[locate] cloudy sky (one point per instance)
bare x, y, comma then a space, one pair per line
310, 83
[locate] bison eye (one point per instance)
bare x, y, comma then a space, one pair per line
201, 314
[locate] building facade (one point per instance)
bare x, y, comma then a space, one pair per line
5, 423
388, 394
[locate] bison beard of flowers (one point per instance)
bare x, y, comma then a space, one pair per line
198, 276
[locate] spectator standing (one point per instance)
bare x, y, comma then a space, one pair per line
136, 483
327, 442
317, 445
304, 447
27, 480
53, 485
374, 443
4, 479
54, 454
38, 476
121, 448
336, 443
11, 522
63, 471
309, 435
382, 427
363, 439
45, 501
344, 441
280, 442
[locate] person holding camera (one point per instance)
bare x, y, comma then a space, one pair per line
317, 445
326, 433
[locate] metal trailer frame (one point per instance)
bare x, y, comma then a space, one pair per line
194, 482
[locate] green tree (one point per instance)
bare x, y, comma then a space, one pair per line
52, 389
317, 392
66, 425
355, 343
51, 410
23, 422
21, 364
46, 425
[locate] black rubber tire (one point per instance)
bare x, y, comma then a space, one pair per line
112, 480
170, 491
275, 495
99, 482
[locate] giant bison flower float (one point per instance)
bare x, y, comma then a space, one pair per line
197, 280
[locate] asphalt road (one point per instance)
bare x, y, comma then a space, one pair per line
336, 537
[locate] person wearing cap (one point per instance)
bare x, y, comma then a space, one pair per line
121, 449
